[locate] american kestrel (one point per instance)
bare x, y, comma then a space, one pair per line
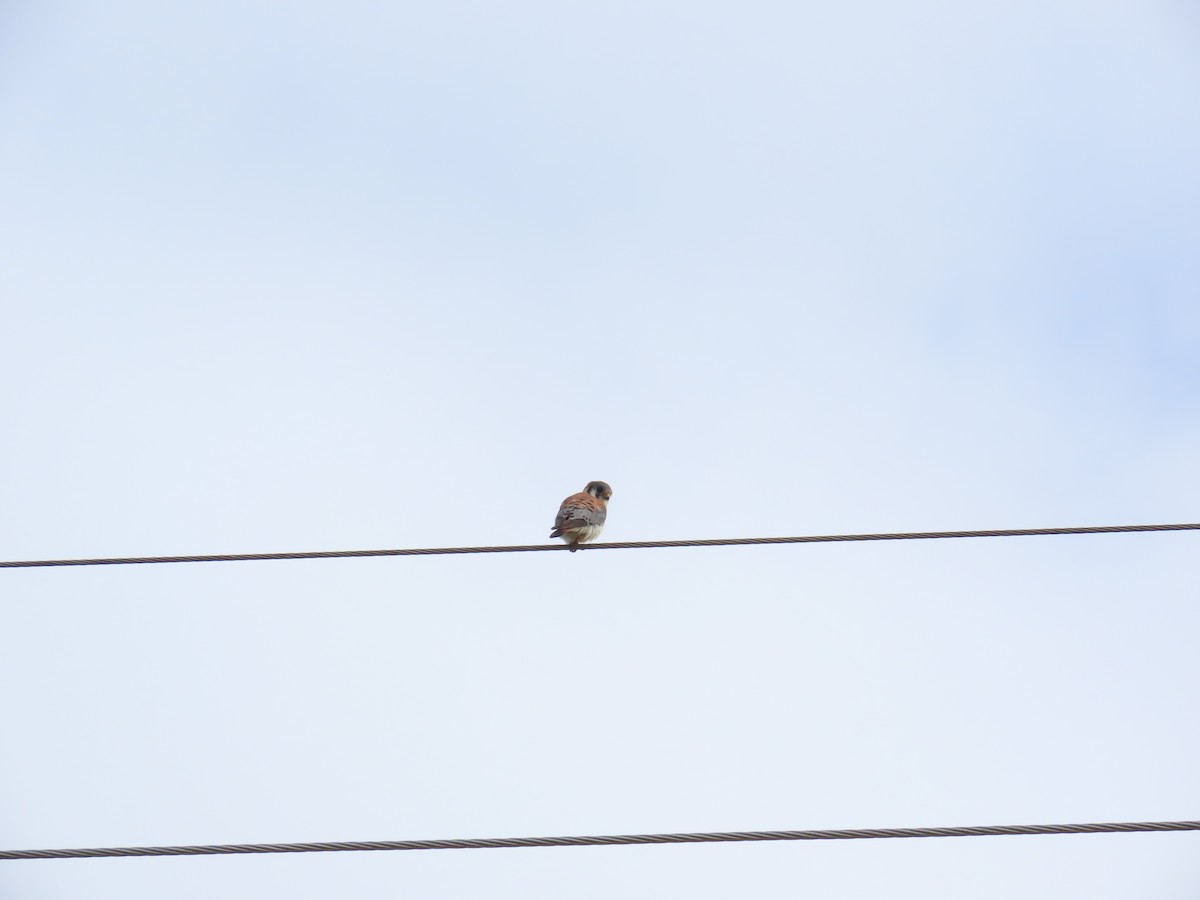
581, 517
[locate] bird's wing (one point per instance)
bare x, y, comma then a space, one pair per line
579, 511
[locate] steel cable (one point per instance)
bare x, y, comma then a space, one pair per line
709, 837
618, 545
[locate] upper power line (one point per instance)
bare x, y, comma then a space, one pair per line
617, 545
601, 840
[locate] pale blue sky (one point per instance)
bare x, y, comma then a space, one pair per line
314, 276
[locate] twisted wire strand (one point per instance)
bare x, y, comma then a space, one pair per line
618, 545
708, 837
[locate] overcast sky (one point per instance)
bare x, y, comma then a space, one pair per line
306, 276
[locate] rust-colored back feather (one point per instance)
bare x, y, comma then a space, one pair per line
579, 511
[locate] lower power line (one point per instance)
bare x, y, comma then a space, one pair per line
606, 840
616, 545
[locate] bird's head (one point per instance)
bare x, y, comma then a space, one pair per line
599, 490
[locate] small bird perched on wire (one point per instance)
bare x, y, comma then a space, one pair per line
581, 517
